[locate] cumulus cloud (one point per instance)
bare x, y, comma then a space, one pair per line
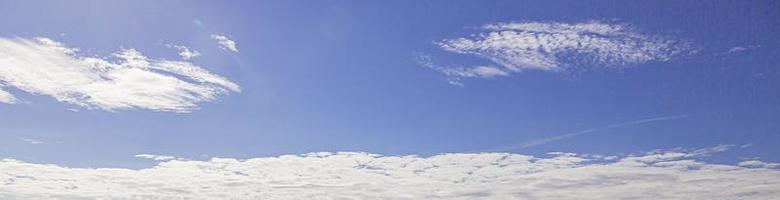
225, 42
552, 46
184, 52
43, 66
654, 175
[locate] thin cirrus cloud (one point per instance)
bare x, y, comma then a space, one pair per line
42, 66
554, 46
737, 49
543, 141
225, 42
156, 157
658, 174
31, 141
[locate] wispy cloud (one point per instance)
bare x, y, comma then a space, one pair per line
737, 49
43, 66
31, 141
184, 52
6, 97
225, 42
658, 174
455, 73
553, 46
758, 164
591, 130
156, 157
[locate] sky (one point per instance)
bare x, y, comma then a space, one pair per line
153, 85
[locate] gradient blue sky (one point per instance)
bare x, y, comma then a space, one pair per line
343, 76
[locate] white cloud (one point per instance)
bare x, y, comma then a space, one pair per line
225, 42
455, 73
156, 157
184, 52
42, 66
759, 164
738, 49
7, 97
31, 141
552, 46
657, 175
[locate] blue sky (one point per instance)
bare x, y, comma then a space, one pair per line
346, 76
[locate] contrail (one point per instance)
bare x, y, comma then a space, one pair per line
586, 131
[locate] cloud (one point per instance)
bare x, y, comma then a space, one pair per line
7, 97
758, 164
655, 175
156, 157
738, 49
542, 141
225, 42
42, 66
553, 46
184, 52
461, 72
31, 141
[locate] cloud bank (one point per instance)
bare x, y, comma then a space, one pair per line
655, 175
42, 66
225, 42
553, 46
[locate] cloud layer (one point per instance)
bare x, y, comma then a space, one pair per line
551, 46
225, 42
655, 175
42, 66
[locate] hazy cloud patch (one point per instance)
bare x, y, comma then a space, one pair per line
31, 141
